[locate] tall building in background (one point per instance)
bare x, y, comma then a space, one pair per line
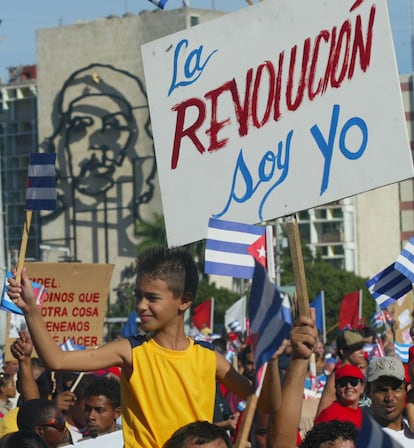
18, 139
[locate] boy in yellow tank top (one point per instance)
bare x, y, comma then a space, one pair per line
168, 380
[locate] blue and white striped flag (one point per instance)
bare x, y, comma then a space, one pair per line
388, 285
402, 350
159, 3
227, 248
267, 329
405, 262
70, 346
41, 182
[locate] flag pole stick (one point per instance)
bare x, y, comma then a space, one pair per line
76, 383
298, 266
212, 315
270, 253
248, 415
247, 419
23, 245
323, 317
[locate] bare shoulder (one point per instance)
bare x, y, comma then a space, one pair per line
119, 351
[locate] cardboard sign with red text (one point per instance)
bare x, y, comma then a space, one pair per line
276, 108
75, 303
403, 319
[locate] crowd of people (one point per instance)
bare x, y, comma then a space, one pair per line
161, 387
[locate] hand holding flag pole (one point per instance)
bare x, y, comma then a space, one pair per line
40, 195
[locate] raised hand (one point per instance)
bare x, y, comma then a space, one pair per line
22, 347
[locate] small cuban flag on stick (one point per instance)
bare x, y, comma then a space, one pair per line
40, 195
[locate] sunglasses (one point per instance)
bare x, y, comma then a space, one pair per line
58, 423
343, 382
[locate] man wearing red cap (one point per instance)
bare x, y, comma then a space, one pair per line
349, 385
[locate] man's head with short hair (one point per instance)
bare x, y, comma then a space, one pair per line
200, 433
246, 360
175, 266
387, 389
335, 434
102, 405
45, 418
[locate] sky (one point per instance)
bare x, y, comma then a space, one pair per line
21, 18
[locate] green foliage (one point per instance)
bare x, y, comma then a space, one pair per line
152, 234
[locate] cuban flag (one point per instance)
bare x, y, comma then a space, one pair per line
70, 346
267, 328
228, 245
41, 182
402, 350
159, 3
405, 262
388, 285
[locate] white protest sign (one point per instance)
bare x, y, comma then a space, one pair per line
276, 108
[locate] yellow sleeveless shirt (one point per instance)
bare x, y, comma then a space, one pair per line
167, 389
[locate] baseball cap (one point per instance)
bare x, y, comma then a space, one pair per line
385, 366
348, 370
349, 340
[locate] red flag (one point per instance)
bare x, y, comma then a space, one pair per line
349, 311
202, 314
258, 250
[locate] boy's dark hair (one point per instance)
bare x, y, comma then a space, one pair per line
199, 433
107, 387
175, 266
24, 439
329, 432
34, 413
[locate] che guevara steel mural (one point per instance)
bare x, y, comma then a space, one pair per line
106, 169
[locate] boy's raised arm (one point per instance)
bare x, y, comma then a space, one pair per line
284, 424
116, 353
227, 375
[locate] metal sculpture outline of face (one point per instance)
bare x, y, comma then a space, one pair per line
97, 139
100, 118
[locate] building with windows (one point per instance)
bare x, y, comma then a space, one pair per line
18, 138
